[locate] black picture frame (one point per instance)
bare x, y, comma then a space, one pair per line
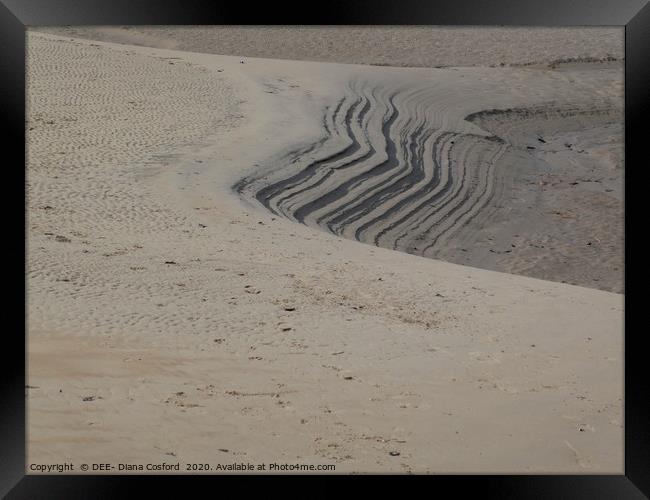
16, 15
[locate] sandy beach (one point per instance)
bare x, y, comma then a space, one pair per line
238, 259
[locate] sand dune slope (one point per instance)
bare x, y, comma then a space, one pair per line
172, 319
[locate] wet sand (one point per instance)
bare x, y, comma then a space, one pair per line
172, 318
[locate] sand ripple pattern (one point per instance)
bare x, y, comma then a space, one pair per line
386, 172
101, 122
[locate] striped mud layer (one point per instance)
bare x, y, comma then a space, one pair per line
409, 169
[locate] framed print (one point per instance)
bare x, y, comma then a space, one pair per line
261, 241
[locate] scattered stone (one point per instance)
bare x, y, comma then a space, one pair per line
87, 398
394, 453
62, 239
289, 308
170, 262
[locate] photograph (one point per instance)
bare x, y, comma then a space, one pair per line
324, 249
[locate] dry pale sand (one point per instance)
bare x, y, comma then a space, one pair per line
171, 319
543, 196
